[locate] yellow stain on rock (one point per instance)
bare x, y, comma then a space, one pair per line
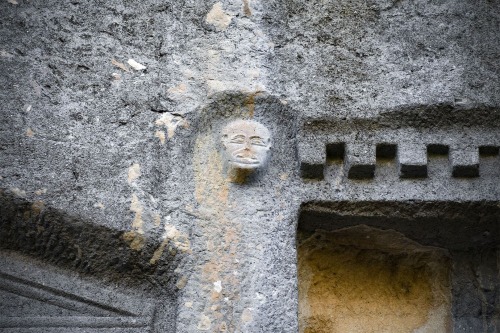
178, 240
181, 283
205, 323
351, 283
134, 172
136, 207
160, 135
178, 90
222, 232
284, 176
171, 122
135, 237
250, 104
37, 207
157, 219
218, 17
246, 316
41, 191
135, 240
246, 8
211, 187
29, 133
214, 86
120, 65
158, 252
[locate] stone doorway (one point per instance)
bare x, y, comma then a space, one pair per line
412, 267
367, 280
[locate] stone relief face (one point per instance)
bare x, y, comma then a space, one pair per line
246, 144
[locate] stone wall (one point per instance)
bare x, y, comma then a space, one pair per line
113, 176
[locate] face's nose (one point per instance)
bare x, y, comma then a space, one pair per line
245, 153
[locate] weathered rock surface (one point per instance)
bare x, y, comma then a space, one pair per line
384, 113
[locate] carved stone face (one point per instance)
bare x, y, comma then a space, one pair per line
246, 144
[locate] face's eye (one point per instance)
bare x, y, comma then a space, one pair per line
239, 139
257, 141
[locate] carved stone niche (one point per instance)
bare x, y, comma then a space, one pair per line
236, 179
244, 137
388, 266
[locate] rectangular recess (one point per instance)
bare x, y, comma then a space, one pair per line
465, 163
386, 150
468, 230
437, 149
488, 150
312, 171
335, 151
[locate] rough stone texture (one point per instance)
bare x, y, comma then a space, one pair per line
412, 160
360, 161
110, 169
365, 57
472, 245
362, 279
465, 163
313, 159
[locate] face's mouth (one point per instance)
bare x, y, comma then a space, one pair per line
245, 157
247, 160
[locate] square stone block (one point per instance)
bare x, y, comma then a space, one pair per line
465, 162
312, 160
359, 161
412, 160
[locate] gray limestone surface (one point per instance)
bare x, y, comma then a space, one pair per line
116, 214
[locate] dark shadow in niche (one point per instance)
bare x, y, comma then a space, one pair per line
416, 238
72, 243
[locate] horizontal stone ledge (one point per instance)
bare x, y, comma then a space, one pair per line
74, 321
360, 158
